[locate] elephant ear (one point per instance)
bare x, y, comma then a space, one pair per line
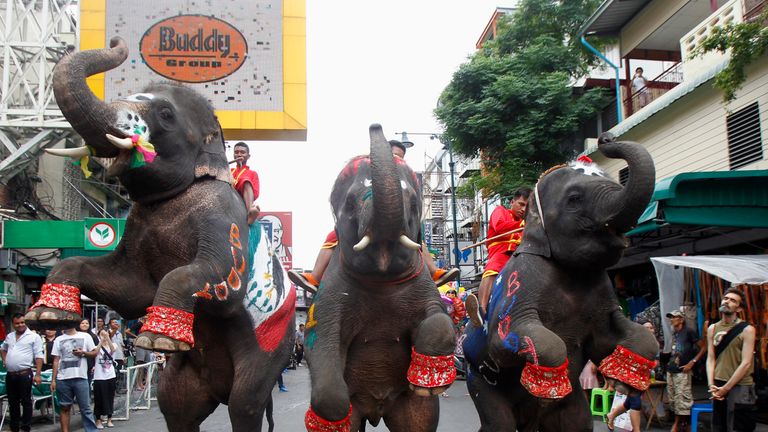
535, 240
212, 158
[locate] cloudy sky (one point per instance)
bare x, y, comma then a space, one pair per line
367, 62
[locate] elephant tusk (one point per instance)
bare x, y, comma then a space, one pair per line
123, 143
362, 243
407, 242
74, 153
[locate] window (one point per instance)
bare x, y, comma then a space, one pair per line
624, 176
745, 145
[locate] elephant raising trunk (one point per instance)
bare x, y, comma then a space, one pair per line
87, 114
387, 218
625, 206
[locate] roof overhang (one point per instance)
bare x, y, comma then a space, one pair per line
716, 198
611, 16
701, 212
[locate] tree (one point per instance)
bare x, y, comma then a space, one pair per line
513, 101
747, 41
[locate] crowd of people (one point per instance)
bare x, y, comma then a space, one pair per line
84, 363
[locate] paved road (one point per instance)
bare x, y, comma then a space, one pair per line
457, 413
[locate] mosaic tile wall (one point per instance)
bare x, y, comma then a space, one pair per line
255, 86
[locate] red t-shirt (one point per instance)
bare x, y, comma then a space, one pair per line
244, 175
499, 250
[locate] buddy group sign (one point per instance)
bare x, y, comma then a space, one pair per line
247, 57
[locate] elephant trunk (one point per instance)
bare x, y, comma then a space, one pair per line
88, 115
387, 193
626, 205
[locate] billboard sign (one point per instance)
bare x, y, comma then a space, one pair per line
279, 228
247, 57
193, 48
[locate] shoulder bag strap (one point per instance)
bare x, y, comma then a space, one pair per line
730, 336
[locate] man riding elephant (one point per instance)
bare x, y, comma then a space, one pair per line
183, 259
553, 306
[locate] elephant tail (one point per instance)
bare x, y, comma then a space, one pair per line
269, 409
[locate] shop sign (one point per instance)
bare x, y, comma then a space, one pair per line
100, 234
193, 48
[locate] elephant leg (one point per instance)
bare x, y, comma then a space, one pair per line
493, 407
184, 399
625, 351
110, 279
545, 374
216, 276
256, 373
412, 413
330, 407
432, 369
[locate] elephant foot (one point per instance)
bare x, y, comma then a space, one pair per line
167, 330
430, 375
546, 382
628, 367
315, 423
427, 391
58, 308
162, 343
46, 318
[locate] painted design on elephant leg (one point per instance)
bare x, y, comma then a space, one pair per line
546, 382
204, 293
221, 290
234, 236
628, 367
530, 348
174, 323
315, 423
431, 371
309, 328
59, 296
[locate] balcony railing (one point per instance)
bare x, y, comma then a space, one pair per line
655, 88
731, 12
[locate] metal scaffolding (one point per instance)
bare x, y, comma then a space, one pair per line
34, 35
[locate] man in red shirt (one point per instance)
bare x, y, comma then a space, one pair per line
502, 221
246, 180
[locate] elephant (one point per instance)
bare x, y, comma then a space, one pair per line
378, 341
185, 257
553, 306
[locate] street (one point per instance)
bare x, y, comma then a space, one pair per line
457, 413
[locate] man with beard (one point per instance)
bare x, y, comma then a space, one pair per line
731, 344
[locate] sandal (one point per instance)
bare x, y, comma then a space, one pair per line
304, 280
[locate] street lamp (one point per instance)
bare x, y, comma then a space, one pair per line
451, 164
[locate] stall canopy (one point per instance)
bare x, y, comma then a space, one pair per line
736, 269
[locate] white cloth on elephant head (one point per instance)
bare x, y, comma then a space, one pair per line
587, 168
264, 296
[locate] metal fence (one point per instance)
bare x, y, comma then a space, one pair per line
137, 388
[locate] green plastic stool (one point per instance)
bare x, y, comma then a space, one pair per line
603, 399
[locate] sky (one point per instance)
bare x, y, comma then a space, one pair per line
368, 62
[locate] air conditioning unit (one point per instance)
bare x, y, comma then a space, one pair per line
9, 260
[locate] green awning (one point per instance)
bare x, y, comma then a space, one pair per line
714, 198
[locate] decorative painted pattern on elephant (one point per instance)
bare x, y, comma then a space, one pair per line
269, 298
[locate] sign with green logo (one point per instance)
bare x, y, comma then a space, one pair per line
101, 234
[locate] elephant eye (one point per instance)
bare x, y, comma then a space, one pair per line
166, 114
573, 200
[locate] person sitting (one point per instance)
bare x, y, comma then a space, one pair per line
310, 281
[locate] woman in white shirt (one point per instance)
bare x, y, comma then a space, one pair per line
104, 381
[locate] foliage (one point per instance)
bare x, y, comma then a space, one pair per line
514, 100
747, 41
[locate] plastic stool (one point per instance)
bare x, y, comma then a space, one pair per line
696, 409
605, 402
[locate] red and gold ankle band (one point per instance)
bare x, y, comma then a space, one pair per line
59, 296
546, 382
315, 423
431, 371
174, 323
